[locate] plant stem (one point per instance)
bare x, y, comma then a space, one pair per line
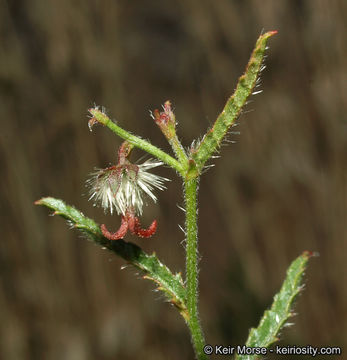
244, 89
191, 189
178, 149
102, 118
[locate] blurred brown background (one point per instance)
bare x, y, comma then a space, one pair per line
279, 190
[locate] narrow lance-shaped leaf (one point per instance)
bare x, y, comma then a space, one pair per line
281, 310
234, 105
153, 269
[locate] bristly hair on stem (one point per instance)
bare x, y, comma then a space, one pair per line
244, 89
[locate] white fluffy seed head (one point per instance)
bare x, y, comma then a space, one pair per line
122, 187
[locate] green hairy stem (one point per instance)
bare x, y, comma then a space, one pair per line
103, 119
190, 190
247, 82
178, 149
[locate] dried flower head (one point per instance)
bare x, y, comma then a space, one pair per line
165, 119
123, 186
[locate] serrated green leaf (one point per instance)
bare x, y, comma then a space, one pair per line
153, 269
281, 310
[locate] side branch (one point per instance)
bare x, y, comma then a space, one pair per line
167, 282
102, 118
234, 105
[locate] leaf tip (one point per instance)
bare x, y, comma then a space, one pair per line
40, 201
307, 254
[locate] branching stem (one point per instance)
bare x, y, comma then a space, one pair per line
190, 166
145, 145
